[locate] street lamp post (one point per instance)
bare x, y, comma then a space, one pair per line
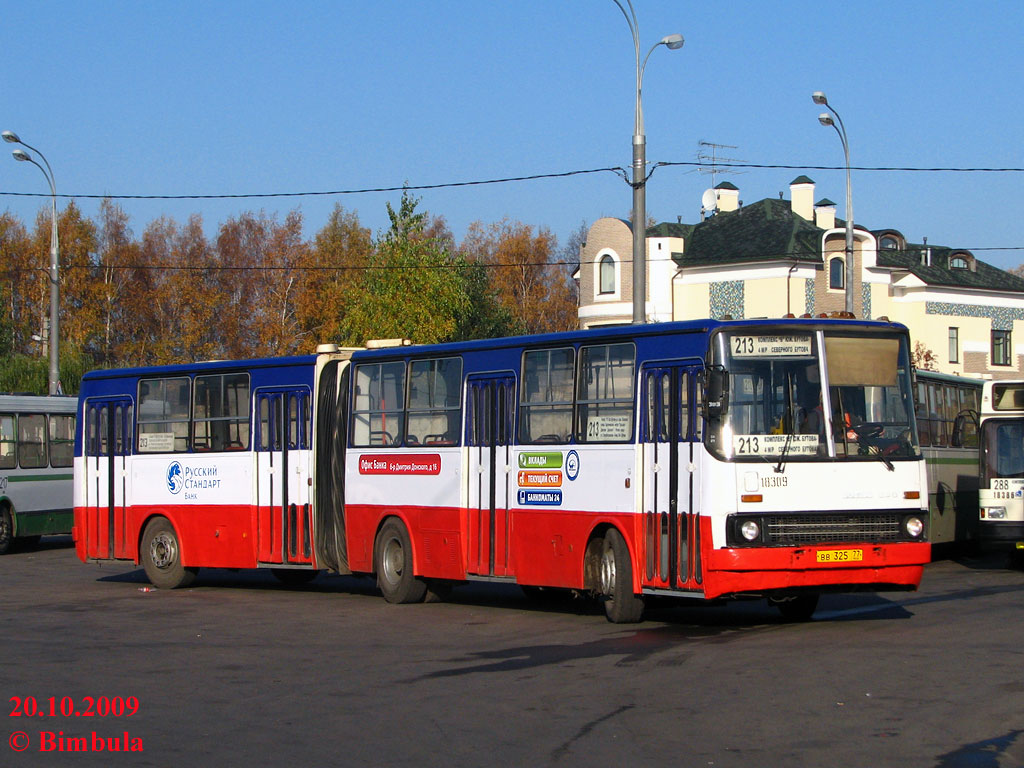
825, 119
672, 42
54, 274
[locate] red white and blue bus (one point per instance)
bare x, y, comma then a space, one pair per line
700, 459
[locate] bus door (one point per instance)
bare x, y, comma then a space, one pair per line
283, 509
107, 444
489, 427
671, 527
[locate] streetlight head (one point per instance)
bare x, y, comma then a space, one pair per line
11, 137
825, 119
22, 156
673, 42
819, 97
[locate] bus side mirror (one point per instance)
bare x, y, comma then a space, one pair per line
716, 392
960, 424
957, 439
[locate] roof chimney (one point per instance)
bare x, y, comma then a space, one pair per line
801, 190
825, 214
727, 197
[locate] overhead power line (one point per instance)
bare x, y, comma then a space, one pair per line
622, 172
390, 267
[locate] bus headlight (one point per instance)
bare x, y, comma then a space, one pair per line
750, 530
993, 513
914, 527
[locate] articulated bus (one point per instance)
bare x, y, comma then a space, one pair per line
700, 459
37, 436
1001, 496
951, 455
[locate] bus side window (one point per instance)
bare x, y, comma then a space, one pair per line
921, 412
8, 442
32, 440
969, 402
545, 413
62, 440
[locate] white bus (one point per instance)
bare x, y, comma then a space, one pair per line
37, 456
1001, 495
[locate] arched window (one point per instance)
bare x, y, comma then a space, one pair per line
837, 274
958, 262
890, 243
607, 274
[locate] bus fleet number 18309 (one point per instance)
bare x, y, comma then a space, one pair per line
703, 459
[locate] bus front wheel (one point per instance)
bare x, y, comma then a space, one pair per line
6, 531
797, 608
621, 606
161, 556
394, 565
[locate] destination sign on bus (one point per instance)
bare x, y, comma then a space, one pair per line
775, 445
771, 346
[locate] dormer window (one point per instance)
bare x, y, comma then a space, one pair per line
890, 243
961, 261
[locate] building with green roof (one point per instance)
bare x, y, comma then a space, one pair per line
777, 257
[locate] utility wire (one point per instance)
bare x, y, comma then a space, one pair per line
397, 267
619, 171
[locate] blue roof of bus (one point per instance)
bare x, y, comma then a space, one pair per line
607, 332
206, 365
624, 332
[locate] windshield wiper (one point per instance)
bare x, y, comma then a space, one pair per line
871, 449
781, 466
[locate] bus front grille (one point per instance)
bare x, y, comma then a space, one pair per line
825, 529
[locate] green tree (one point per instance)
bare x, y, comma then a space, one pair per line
413, 287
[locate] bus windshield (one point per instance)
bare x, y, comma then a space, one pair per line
814, 396
1002, 443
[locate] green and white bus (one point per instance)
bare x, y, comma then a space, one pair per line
37, 453
951, 456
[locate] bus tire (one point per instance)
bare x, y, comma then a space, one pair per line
798, 608
394, 565
6, 530
621, 605
161, 556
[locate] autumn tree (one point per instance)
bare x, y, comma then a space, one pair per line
524, 273
258, 262
330, 274
77, 236
16, 274
413, 287
923, 358
174, 297
113, 271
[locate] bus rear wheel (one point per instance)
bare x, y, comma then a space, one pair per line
161, 556
621, 606
394, 565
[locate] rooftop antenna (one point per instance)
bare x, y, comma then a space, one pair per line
709, 156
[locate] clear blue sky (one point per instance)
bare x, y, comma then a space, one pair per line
231, 97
